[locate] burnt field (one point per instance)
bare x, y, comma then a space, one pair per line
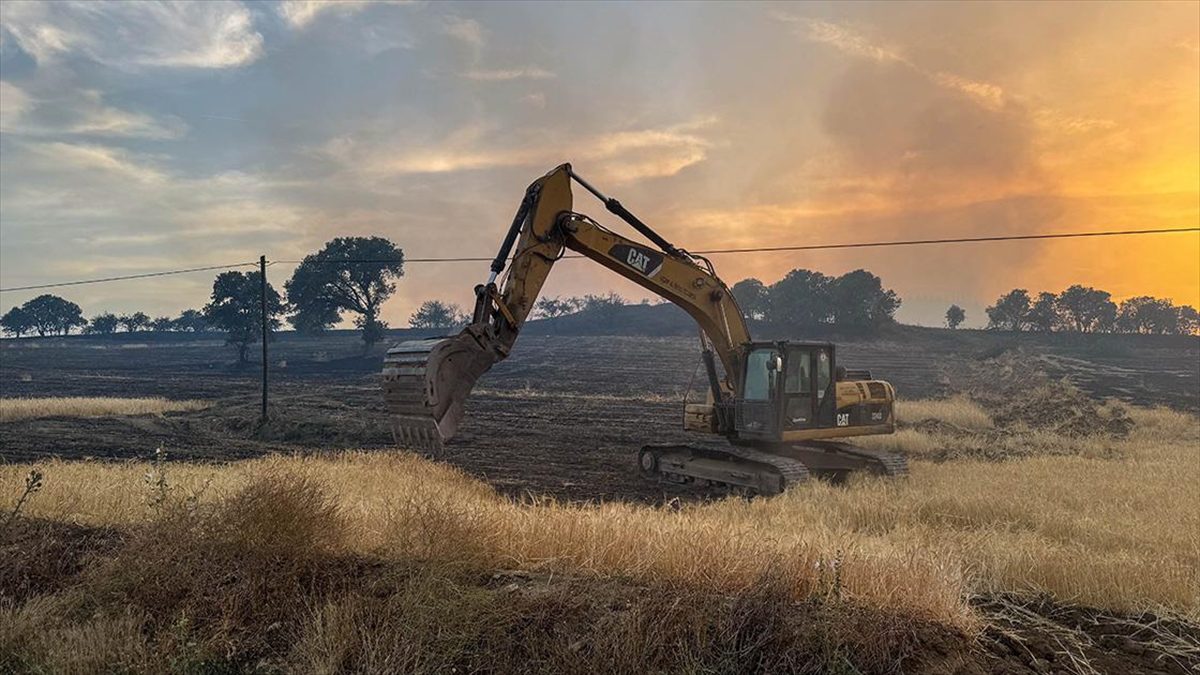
563, 415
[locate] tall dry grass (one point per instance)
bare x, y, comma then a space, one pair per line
398, 505
13, 409
958, 410
1113, 533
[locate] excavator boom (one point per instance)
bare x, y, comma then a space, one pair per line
426, 382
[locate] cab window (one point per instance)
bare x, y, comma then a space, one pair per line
824, 371
759, 364
799, 373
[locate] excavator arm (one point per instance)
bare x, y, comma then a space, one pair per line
427, 382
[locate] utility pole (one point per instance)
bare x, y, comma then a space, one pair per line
262, 297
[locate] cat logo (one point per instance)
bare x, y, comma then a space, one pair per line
638, 260
843, 419
641, 259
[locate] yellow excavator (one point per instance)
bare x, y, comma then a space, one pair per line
781, 405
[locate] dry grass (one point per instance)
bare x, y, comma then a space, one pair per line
13, 409
402, 506
529, 392
271, 579
1055, 419
957, 410
1114, 529
1114, 533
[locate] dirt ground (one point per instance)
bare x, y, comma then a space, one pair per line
562, 416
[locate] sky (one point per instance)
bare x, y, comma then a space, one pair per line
137, 137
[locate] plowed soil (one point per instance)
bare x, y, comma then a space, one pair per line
564, 415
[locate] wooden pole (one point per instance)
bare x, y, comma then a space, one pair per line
262, 270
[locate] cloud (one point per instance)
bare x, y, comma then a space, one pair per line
504, 75
133, 35
468, 31
887, 119
299, 14
989, 96
849, 41
1071, 124
618, 156
74, 158
109, 201
14, 105
82, 113
841, 37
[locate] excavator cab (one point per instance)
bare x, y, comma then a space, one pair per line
795, 391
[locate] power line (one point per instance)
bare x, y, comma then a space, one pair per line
719, 251
814, 247
123, 278
383, 260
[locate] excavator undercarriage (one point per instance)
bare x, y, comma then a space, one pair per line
779, 405
767, 471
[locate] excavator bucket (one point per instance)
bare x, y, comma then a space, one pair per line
426, 383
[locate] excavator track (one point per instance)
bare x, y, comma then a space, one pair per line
736, 467
836, 459
767, 473
883, 463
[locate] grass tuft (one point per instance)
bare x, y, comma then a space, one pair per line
14, 409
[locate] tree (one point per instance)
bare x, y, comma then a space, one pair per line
955, 315
1044, 316
859, 299
50, 314
548, 308
135, 322
104, 324
16, 322
314, 318
162, 324
191, 321
1087, 309
751, 296
1189, 320
1145, 314
438, 314
801, 297
1010, 311
335, 280
236, 309
602, 306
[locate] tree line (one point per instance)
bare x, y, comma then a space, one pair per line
348, 275
52, 315
438, 314
801, 297
807, 298
1084, 309
355, 275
